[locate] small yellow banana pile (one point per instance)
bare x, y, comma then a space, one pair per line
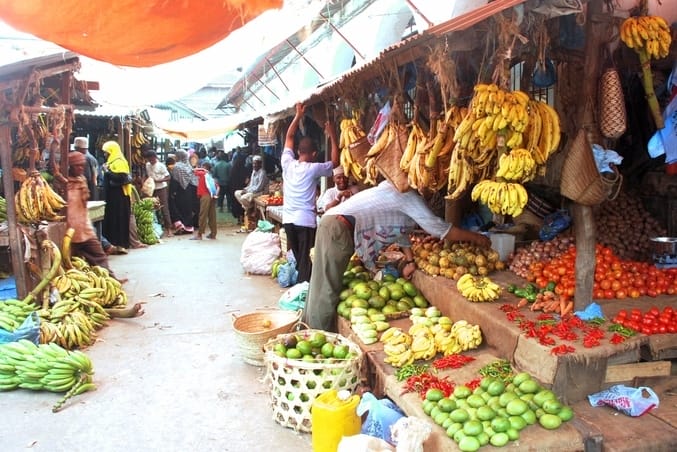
350, 133
516, 166
446, 343
648, 33
37, 201
467, 335
397, 347
71, 322
94, 281
478, 288
423, 344
502, 198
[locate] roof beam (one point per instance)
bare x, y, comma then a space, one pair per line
418, 11
338, 32
272, 66
305, 59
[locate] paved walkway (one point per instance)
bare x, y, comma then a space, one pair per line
171, 380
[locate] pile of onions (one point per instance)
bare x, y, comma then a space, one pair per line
537, 251
625, 226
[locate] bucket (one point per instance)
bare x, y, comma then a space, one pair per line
334, 415
504, 244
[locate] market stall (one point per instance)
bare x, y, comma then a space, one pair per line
513, 130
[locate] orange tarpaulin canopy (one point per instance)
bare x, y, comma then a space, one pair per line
132, 32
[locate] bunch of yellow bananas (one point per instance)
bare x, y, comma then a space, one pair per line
543, 131
478, 288
423, 344
139, 139
516, 166
446, 343
350, 134
397, 347
649, 33
502, 198
467, 335
36, 201
44, 367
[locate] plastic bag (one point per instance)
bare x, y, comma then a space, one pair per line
628, 400
409, 434
29, 329
265, 226
259, 251
287, 275
379, 124
148, 187
363, 443
382, 414
295, 297
553, 224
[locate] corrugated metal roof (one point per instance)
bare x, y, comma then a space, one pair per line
19, 68
400, 53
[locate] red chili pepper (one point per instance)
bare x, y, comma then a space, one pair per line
473, 384
575, 322
546, 340
508, 307
421, 383
562, 350
452, 361
617, 339
544, 316
514, 315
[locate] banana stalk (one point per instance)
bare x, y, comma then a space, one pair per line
647, 82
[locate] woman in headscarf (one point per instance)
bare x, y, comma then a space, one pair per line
118, 190
184, 187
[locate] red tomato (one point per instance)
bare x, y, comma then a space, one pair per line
654, 311
653, 293
621, 294
622, 313
662, 329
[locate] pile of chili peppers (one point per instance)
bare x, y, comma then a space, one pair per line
454, 361
422, 382
546, 328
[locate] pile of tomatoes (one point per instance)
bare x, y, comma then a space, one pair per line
614, 278
653, 321
274, 200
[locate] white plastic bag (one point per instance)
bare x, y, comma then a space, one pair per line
259, 251
628, 400
409, 433
363, 443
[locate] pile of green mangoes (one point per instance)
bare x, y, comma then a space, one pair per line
312, 347
496, 411
389, 296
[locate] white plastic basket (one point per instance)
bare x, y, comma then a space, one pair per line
295, 384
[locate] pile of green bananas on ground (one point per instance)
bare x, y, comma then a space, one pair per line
144, 212
3, 209
13, 313
44, 367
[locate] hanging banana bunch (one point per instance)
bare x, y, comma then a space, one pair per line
37, 201
513, 117
650, 37
351, 133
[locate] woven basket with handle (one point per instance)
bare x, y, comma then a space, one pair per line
581, 181
613, 119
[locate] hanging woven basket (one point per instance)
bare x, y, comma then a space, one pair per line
613, 119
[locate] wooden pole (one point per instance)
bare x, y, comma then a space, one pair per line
584, 222
15, 238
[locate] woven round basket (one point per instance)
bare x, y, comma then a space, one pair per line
296, 383
581, 181
253, 330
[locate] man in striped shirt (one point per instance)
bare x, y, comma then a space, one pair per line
367, 223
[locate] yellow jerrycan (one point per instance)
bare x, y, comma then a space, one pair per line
333, 416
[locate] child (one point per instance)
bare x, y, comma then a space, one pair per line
207, 190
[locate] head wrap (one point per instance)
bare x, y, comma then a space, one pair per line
338, 171
257, 158
75, 158
182, 171
116, 162
81, 142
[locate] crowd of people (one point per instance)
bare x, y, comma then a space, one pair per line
192, 186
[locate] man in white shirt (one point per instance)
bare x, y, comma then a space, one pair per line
157, 171
335, 195
299, 183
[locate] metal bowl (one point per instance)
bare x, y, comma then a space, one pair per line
664, 251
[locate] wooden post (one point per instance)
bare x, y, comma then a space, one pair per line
582, 215
15, 239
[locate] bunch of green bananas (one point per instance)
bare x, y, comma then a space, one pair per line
37, 201
13, 313
3, 209
144, 212
44, 367
90, 282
